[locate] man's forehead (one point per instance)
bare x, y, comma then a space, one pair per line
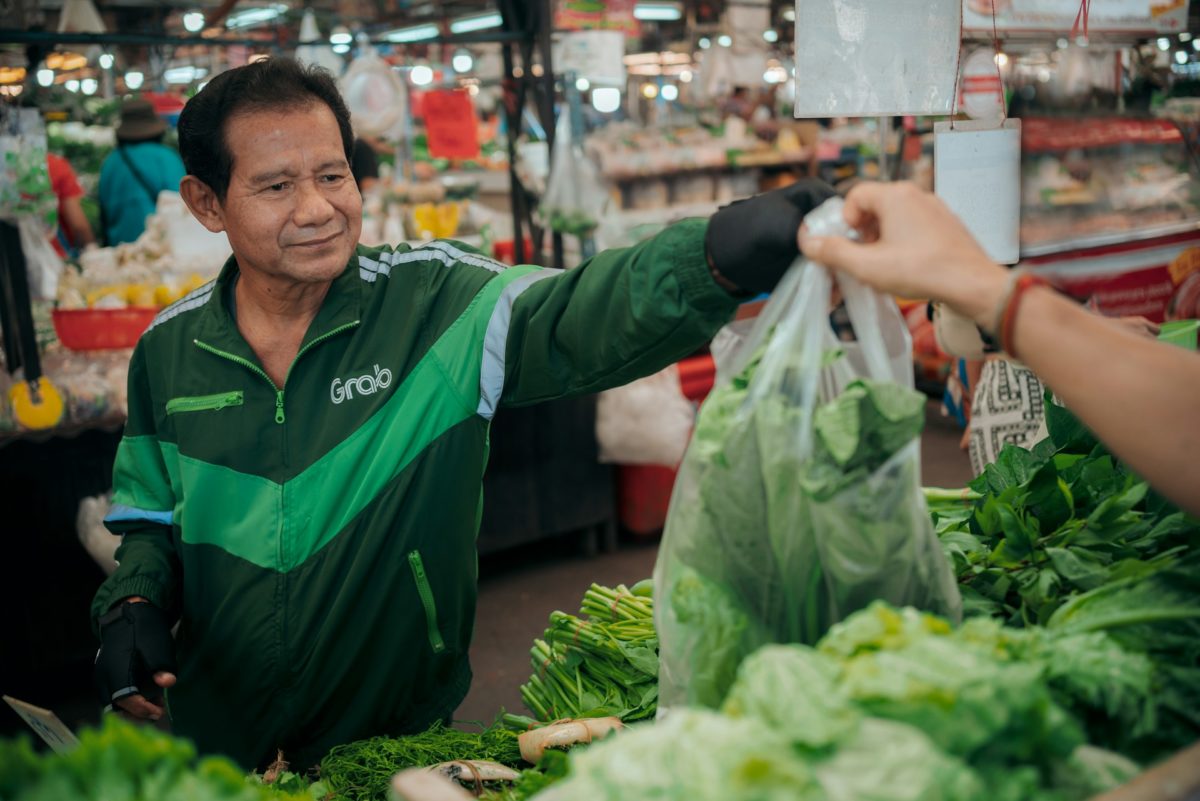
256, 134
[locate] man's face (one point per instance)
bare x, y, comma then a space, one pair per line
292, 209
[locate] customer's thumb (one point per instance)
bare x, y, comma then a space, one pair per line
832, 251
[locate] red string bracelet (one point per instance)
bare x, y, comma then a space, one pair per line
1023, 284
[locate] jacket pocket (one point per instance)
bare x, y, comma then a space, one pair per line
427, 601
201, 403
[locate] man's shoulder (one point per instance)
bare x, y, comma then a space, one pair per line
182, 317
446, 259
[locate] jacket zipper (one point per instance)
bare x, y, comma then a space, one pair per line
280, 418
201, 403
426, 594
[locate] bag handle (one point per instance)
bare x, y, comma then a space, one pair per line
137, 175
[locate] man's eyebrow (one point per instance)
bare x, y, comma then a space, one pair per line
268, 177
332, 164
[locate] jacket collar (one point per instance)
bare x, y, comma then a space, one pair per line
218, 328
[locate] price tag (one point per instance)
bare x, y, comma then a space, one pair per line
977, 172
450, 124
46, 724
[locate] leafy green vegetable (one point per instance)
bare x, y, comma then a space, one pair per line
362, 770
123, 762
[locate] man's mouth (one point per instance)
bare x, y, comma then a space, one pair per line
316, 243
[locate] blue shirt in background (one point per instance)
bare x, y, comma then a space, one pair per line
125, 203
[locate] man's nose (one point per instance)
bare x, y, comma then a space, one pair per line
312, 207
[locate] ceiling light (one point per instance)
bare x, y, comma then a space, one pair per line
462, 61
775, 75
1062, 43
255, 16
606, 99
670, 92
134, 80
705, 43
686, 76
789, 14
72, 85
480, 23
649, 91
45, 77
106, 61
1196, 44
340, 35
657, 12
341, 49
771, 36
1185, 37
89, 86
186, 74
1181, 57
1164, 44
725, 40
1001, 59
421, 75
417, 33
583, 84
193, 21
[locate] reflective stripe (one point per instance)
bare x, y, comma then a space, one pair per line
495, 342
123, 514
370, 269
475, 259
193, 300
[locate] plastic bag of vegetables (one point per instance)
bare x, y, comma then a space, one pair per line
799, 500
576, 197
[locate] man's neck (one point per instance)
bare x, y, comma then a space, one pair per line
273, 316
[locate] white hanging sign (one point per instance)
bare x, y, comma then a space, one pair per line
595, 55
977, 172
865, 58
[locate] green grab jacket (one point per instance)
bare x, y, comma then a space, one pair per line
317, 540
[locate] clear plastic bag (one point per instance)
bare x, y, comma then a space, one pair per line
576, 198
799, 500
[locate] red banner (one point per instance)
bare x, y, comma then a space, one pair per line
450, 124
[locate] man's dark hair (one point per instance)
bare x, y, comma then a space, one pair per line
278, 84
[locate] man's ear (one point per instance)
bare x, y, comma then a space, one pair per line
202, 203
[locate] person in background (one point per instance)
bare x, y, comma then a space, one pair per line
1143, 402
364, 165
138, 169
74, 230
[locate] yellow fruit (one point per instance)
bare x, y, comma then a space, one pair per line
139, 295
164, 295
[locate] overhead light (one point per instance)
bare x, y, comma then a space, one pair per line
72, 85
421, 75
1164, 44
462, 61
1062, 43
1001, 59
771, 36
649, 91
606, 99
417, 33
473, 89
255, 16
670, 92
45, 77
89, 86
1196, 44
657, 12
583, 84
705, 43
134, 80
1181, 57
725, 40
106, 61
193, 21
789, 14
341, 49
340, 35
482, 22
775, 75
1185, 37
1081, 41
185, 74
685, 76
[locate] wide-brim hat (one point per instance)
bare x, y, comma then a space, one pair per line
138, 121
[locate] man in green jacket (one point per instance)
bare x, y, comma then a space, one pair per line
299, 484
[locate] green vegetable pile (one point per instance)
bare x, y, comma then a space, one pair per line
362, 770
123, 762
891, 705
788, 515
604, 662
1065, 537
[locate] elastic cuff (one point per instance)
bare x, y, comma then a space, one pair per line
691, 267
153, 591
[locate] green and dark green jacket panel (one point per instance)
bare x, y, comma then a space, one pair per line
317, 540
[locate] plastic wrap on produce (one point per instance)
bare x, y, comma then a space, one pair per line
864, 58
644, 422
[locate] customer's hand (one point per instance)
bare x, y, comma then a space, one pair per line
136, 660
751, 243
913, 246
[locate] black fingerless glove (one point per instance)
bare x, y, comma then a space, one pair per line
135, 643
752, 242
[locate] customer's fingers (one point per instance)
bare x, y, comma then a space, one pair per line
139, 707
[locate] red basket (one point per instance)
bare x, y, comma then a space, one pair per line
101, 329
